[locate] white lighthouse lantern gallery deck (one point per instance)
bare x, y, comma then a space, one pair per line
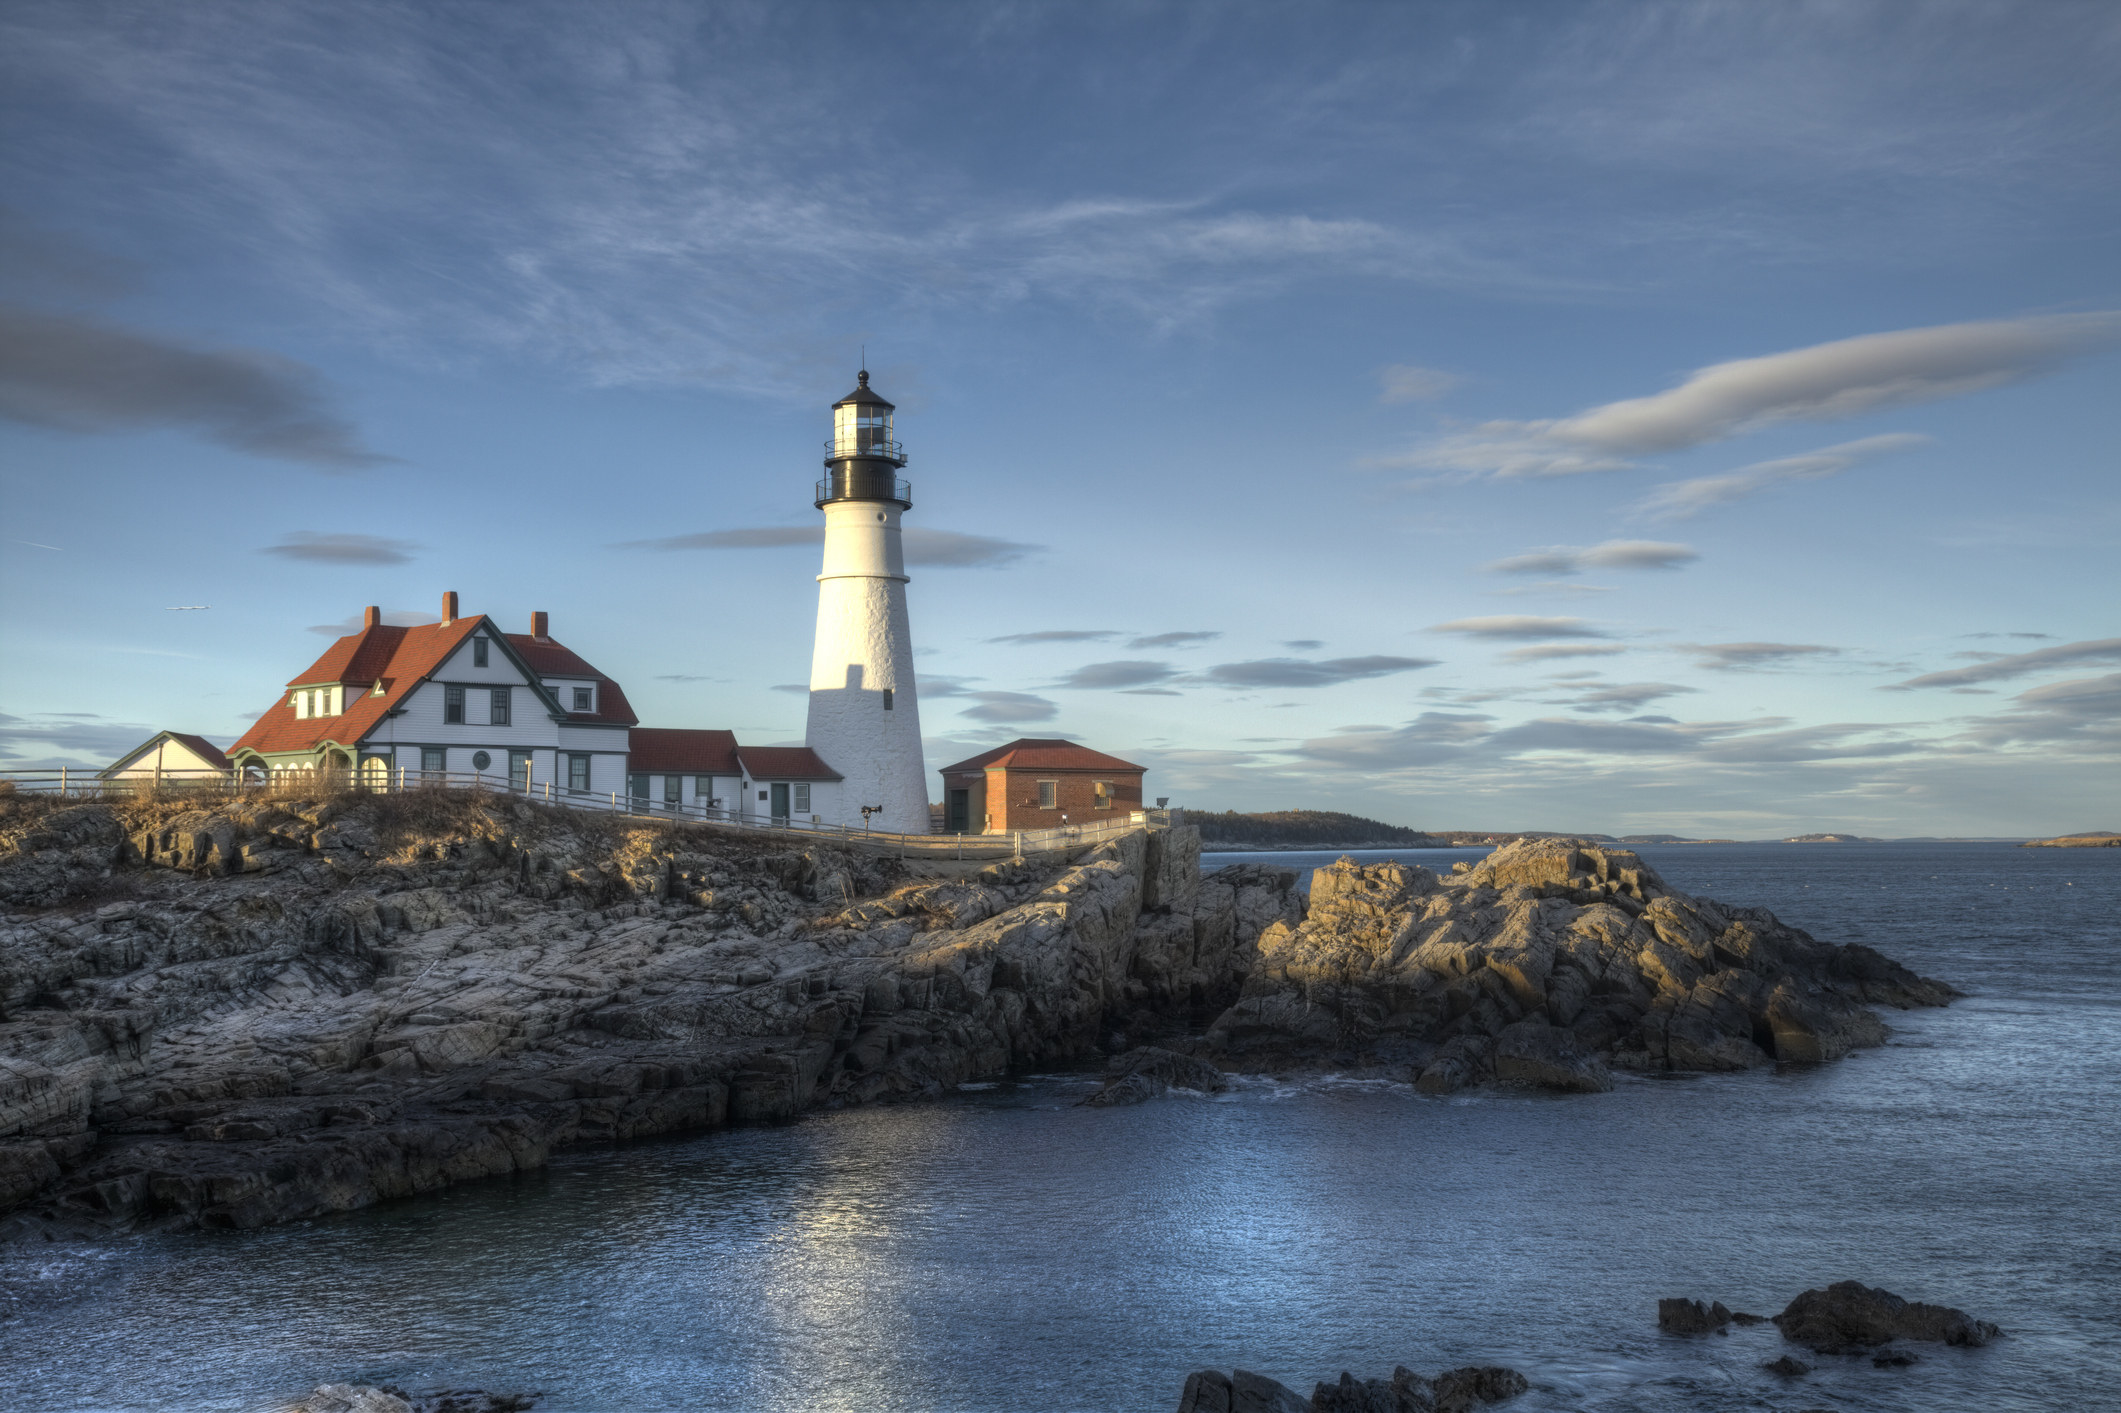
864, 715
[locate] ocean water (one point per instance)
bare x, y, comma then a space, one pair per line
1004, 1250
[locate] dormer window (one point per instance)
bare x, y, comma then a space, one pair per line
583, 699
479, 647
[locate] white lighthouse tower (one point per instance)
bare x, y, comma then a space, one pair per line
864, 719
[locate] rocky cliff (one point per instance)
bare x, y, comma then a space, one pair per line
1550, 962
288, 1007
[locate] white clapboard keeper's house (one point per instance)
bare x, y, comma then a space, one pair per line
458, 697
461, 698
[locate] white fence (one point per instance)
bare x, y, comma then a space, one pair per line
214, 784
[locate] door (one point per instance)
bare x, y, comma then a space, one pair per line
519, 770
958, 819
780, 804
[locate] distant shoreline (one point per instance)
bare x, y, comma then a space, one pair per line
2064, 842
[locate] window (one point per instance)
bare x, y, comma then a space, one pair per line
578, 772
802, 799
453, 705
581, 699
1100, 794
433, 760
1048, 794
762, 796
519, 769
637, 787
497, 715
703, 789
478, 652
887, 699
673, 785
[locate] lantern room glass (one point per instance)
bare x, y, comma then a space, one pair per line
860, 429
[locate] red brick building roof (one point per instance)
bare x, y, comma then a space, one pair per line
663, 751
783, 763
1034, 753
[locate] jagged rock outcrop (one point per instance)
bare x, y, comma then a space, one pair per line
1551, 962
277, 1008
1454, 1391
1849, 1317
367, 1398
1148, 1071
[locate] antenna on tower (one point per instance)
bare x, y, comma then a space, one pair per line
865, 358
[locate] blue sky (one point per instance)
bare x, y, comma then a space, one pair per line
1621, 417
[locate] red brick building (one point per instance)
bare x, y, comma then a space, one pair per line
1037, 784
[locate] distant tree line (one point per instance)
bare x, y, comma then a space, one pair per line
1324, 829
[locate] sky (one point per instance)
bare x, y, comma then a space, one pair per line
1693, 418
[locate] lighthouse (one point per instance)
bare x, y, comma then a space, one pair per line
865, 720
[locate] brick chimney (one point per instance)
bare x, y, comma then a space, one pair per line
540, 621
449, 608
373, 618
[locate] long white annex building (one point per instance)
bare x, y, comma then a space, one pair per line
463, 698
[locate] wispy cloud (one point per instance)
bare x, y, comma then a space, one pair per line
80, 375
1682, 500
945, 549
1518, 625
1173, 640
1612, 554
1403, 382
1056, 635
1547, 651
1825, 382
2019, 664
342, 548
1293, 672
1006, 708
66, 738
1620, 696
1730, 657
1110, 676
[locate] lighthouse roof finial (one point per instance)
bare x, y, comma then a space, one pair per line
863, 394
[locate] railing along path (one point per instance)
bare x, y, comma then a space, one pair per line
86, 784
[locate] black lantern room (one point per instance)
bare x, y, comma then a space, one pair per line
862, 460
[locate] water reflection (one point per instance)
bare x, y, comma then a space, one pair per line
1003, 1249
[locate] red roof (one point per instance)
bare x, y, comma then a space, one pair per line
401, 658
1034, 753
783, 763
663, 751
201, 747
549, 659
